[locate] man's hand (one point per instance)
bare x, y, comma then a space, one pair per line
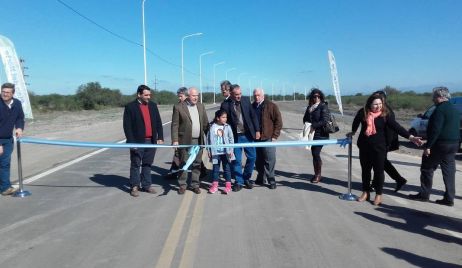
257, 135
18, 133
350, 135
1, 149
160, 141
416, 140
273, 139
427, 152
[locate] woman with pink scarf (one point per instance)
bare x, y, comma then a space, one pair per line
372, 142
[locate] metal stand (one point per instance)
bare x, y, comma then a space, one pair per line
349, 196
21, 192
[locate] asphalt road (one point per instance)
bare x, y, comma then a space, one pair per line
81, 215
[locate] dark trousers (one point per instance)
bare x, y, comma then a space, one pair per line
141, 158
316, 153
391, 171
372, 158
442, 154
195, 167
223, 159
265, 163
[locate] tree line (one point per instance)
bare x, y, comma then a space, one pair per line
92, 96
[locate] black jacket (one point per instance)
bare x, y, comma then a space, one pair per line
318, 119
383, 125
10, 118
249, 117
134, 124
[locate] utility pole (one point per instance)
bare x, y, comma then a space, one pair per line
155, 83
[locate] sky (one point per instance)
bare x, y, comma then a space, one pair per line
279, 44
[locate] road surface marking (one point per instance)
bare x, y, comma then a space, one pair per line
171, 243
70, 163
190, 247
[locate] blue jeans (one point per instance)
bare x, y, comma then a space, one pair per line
251, 155
226, 170
5, 160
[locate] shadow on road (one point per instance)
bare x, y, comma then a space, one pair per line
304, 183
417, 260
115, 181
416, 221
355, 185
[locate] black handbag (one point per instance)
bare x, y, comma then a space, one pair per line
331, 126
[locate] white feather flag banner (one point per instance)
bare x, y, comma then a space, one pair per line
333, 72
14, 74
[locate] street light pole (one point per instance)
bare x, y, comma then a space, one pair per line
200, 70
239, 78
182, 55
272, 91
214, 89
284, 92
250, 87
144, 45
229, 70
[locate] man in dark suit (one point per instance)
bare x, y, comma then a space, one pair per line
189, 125
245, 126
142, 124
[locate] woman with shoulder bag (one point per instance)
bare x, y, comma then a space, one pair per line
317, 113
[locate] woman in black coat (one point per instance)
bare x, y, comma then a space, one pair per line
375, 119
317, 113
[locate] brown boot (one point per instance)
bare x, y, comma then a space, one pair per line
317, 172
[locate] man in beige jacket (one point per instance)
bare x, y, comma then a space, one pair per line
189, 126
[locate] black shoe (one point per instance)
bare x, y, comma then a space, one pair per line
182, 189
418, 197
237, 187
248, 184
272, 186
196, 190
445, 202
400, 184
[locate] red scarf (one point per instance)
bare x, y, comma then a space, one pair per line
370, 130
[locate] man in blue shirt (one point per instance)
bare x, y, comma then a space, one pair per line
11, 118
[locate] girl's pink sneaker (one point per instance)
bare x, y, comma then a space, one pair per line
227, 187
214, 188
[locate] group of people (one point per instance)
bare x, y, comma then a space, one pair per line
378, 135
244, 122
237, 121
241, 121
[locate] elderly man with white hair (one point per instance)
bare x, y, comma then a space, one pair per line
270, 120
440, 149
189, 124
